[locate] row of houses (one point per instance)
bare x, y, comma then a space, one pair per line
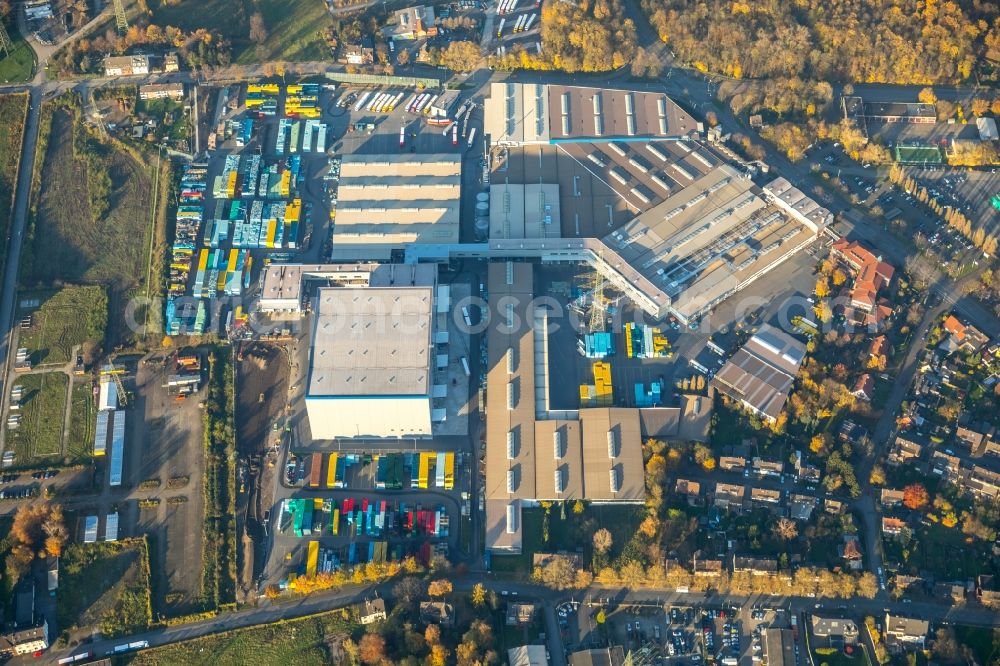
900, 633
741, 498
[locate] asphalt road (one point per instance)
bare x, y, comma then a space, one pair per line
22, 194
319, 602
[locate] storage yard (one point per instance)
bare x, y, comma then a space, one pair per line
269, 190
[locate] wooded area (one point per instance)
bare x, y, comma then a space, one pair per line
580, 37
872, 41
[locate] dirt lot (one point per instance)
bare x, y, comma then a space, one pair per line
263, 372
171, 433
262, 394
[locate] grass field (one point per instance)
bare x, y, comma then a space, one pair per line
20, 64
63, 319
294, 28
12, 110
984, 643
300, 642
38, 440
80, 444
72, 238
105, 584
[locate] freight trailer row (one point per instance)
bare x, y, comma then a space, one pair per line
295, 135
318, 516
189, 217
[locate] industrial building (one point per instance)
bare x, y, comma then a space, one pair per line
525, 114
618, 179
535, 453
372, 359
285, 287
759, 376
388, 202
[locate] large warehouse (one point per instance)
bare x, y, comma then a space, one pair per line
372, 360
386, 202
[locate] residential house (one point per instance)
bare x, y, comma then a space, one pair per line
173, 91
356, 54
851, 552
29, 640
833, 506
835, 629
979, 440
955, 592
904, 450
904, 582
982, 482
732, 463
372, 611
171, 63
772, 468
987, 592
755, 566
892, 526
527, 655
945, 465
437, 612
520, 614
687, 487
414, 23
905, 633
706, 568
864, 388
890, 498
800, 507
878, 348
729, 496
126, 65
765, 497
962, 336
851, 432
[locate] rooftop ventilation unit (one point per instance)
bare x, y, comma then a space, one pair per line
616, 484
510, 481
511, 444
557, 445
612, 444
511, 518
559, 482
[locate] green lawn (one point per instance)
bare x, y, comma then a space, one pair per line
38, 439
62, 320
20, 64
838, 658
105, 584
92, 208
12, 111
984, 643
294, 29
301, 642
80, 445
575, 532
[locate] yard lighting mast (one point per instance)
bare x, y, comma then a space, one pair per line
120, 18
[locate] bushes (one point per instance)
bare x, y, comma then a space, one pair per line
219, 547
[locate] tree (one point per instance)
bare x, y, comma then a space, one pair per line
258, 29
478, 595
946, 646
927, 96
786, 529
980, 106
408, 590
432, 634
915, 496
877, 477
602, 541
350, 651
649, 526
578, 507
558, 573
439, 588
403, 57
371, 649
822, 288
461, 56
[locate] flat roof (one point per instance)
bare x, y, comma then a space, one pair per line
394, 200
523, 113
371, 341
526, 445
282, 286
524, 211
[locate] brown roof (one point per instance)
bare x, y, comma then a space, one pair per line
761, 373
